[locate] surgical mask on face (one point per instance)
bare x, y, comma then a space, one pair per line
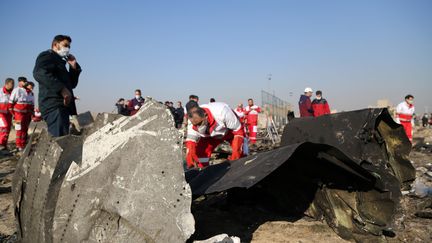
63, 52
318, 98
410, 102
202, 128
137, 97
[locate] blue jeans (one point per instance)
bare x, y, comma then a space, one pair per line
58, 122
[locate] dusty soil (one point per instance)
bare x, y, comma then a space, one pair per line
299, 231
7, 225
7, 218
257, 224
417, 220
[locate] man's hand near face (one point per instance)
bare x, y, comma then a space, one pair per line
72, 61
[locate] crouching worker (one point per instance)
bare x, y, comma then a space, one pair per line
22, 105
210, 125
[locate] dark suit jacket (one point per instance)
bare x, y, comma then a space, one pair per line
52, 75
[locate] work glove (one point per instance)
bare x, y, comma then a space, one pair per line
192, 159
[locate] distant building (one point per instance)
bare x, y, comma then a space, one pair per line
385, 103
382, 103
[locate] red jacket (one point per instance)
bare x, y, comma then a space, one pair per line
320, 107
134, 104
240, 114
5, 106
252, 114
22, 100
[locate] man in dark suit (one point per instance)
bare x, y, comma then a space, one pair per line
56, 84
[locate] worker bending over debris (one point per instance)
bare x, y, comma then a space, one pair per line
210, 125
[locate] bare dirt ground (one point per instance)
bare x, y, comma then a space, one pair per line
255, 224
7, 219
8, 163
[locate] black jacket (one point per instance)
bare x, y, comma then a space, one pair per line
122, 109
179, 115
52, 75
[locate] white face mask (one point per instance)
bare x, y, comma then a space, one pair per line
63, 52
318, 98
202, 129
137, 97
410, 102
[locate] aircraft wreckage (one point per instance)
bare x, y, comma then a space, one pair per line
122, 180
347, 168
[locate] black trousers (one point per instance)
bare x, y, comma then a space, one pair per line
58, 122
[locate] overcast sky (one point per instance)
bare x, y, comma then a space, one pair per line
356, 52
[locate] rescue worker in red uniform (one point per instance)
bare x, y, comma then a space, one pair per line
193, 102
22, 106
404, 115
210, 125
240, 111
5, 113
251, 112
320, 105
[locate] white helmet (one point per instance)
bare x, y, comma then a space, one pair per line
308, 89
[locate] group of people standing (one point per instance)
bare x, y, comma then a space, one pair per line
16, 105
178, 112
56, 98
318, 107
130, 107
